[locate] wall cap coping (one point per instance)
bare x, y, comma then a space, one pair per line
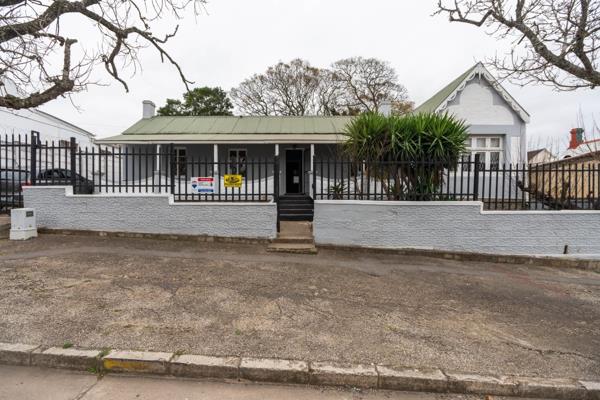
69, 193
453, 203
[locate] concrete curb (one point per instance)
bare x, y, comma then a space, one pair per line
369, 376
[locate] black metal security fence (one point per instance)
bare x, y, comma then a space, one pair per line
25, 160
553, 186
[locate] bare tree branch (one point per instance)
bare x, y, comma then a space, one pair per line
351, 86
31, 33
556, 42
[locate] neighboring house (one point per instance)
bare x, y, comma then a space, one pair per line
497, 122
540, 156
16, 127
571, 181
578, 146
50, 128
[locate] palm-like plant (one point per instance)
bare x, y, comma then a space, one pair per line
415, 149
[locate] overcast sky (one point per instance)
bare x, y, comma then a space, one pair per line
234, 39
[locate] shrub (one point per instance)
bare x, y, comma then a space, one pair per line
414, 150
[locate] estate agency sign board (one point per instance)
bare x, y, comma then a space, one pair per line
203, 185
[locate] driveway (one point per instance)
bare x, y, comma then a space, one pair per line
226, 299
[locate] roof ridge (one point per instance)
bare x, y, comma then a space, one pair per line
253, 116
431, 104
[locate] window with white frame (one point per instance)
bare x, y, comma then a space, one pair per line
238, 161
180, 161
489, 149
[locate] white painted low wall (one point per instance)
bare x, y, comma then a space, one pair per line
58, 208
457, 226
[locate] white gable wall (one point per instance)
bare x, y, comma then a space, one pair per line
22, 122
487, 113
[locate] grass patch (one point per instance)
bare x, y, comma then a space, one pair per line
104, 352
67, 345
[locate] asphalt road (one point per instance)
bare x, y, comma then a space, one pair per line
219, 299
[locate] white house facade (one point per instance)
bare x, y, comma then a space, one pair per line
497, 122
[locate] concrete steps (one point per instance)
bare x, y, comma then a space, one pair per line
294, 237
294, 248
296, 208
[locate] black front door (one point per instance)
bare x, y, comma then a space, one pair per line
293, 171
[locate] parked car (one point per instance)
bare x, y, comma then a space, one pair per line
61, 176
11, 187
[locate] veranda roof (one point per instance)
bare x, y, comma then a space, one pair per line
233, 130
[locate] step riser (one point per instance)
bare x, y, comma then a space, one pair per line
301, 218
294, 241
296, 212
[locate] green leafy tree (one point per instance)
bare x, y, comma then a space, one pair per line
413, 149
204, 101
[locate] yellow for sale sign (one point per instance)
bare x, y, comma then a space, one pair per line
233, 181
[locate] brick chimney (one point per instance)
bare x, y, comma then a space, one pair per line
148, 109
576, 138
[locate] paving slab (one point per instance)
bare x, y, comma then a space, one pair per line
137, 362
29, 383
337, 374
145, 388
272, 370
16, 353
195, 366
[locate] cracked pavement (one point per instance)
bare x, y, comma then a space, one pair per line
230, 299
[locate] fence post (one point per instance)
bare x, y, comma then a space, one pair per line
476, 179
276, 187
73, 151
172, 168
313, 175
33, 158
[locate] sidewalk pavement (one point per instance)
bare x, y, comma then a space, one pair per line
28, 383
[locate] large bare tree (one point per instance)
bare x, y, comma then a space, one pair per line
284, 89
555, 42
351, 86
44, 53
366, 82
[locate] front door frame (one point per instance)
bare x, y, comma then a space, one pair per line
302, 183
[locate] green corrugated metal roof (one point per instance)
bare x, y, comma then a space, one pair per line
434, 102
238, 125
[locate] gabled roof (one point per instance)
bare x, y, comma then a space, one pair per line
439, 101
63, 122
533, 153
253, 129
39, 116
